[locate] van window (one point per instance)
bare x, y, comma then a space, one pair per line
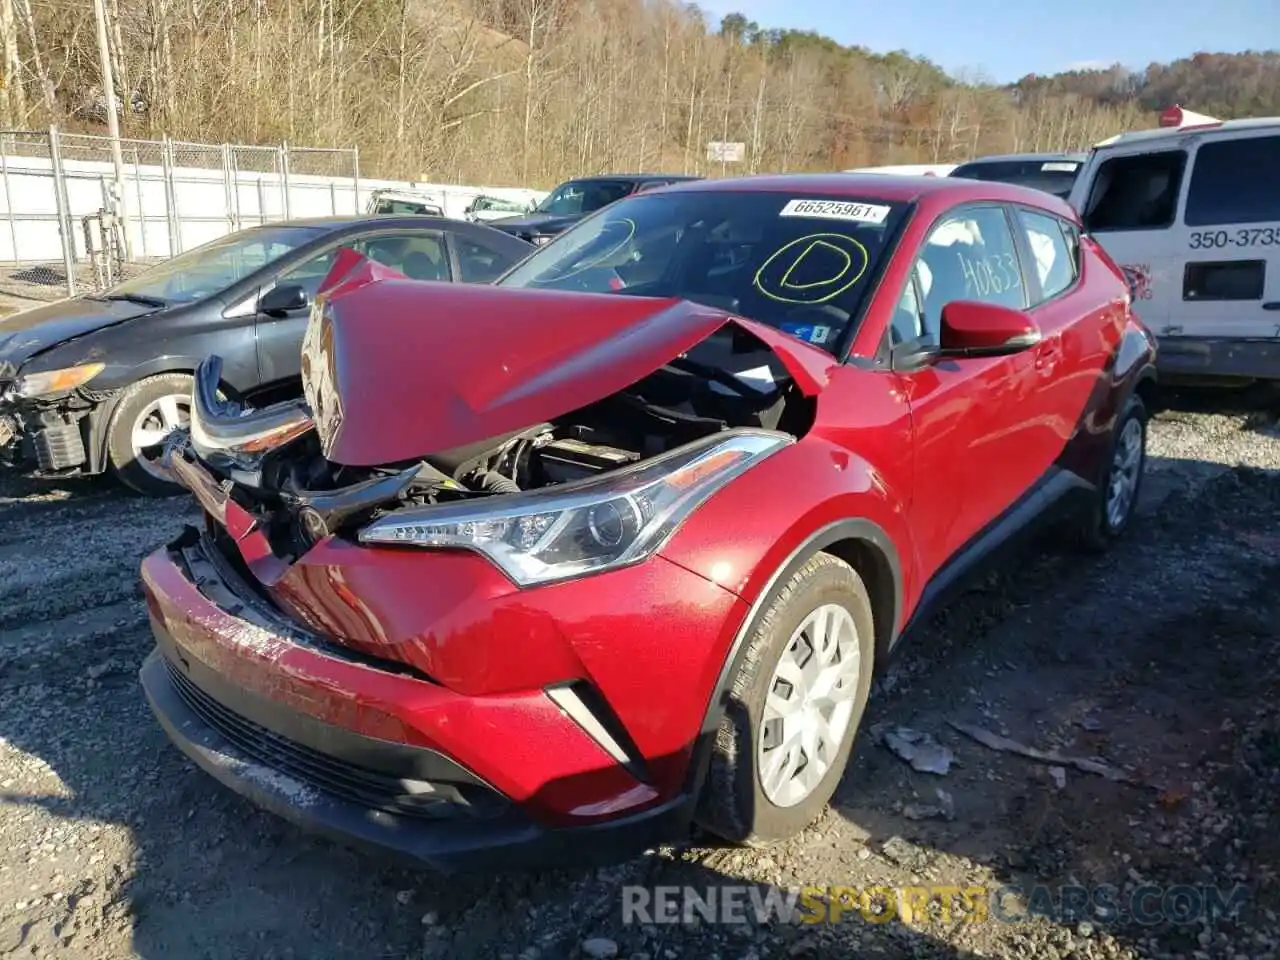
1136, 192
1235, 181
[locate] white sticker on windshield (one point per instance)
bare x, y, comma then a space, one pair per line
836, 210
1058, 166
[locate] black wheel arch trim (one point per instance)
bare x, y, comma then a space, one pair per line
852, 529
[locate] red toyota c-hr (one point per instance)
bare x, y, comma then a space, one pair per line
566, 563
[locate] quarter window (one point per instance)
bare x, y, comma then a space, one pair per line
419, 255
1235, 181
1051, 254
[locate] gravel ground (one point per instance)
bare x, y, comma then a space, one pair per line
1160, 659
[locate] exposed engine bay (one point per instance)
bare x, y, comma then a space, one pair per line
692, 397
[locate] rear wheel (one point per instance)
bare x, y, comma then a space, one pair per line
1116, 500
147, 413
794, 706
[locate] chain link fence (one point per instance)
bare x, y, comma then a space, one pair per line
73, 220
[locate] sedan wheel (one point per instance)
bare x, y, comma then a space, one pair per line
153, 425
148, 411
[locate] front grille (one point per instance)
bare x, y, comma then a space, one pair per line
359, 785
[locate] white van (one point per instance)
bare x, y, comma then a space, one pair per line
1192, 215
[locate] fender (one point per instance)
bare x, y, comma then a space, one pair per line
1129, 369
846, 501
853, 529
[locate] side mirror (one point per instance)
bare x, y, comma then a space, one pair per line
283, 299
972, 329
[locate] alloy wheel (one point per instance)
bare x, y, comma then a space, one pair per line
809, 705
153, 425
1126, 468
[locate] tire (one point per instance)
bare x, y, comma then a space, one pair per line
1100, 527
143, 402
735, 803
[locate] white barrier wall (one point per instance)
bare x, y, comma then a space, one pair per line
205, 203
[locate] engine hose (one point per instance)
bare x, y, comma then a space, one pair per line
496, 483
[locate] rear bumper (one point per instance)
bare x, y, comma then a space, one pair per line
1230, 357
375, 755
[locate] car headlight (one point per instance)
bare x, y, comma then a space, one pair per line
588, 526
55, 381
539, 239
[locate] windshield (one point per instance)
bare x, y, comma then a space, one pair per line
798, 263
405, 206
212, 268
583, 196
1051, 176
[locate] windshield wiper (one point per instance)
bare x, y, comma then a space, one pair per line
133, 298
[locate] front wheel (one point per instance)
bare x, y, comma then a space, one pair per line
147, 413
794, 706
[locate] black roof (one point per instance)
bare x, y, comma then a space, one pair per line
361, 220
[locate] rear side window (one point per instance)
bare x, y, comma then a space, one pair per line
1053, 255
1235, 181
1136, 193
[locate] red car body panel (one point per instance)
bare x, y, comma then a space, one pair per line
909, 469
520, 357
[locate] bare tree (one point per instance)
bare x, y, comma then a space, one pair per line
13, 104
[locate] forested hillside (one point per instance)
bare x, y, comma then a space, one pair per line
531, 91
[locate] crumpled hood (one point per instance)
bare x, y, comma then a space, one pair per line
26, 334
395, 369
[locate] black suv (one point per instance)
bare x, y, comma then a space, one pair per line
574, 199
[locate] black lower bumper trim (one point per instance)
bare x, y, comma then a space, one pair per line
510, 842
1230, 357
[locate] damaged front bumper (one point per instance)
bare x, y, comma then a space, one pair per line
349, 750
46, 438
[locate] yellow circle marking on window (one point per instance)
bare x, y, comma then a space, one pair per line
818, 291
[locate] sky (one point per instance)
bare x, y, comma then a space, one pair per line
1006, 41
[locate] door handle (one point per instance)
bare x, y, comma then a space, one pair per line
1048, 354
1271, 305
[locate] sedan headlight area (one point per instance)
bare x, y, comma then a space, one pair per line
585, 527
55, 381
